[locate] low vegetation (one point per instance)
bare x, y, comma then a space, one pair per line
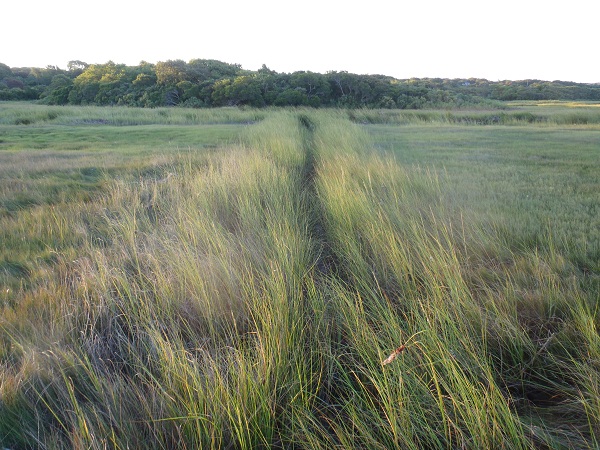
236, 278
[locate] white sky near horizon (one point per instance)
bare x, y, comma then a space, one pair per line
501, 40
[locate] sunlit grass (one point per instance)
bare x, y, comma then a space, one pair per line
242, 287
491, 312
52, 171
531, 184
23, 113
541, 115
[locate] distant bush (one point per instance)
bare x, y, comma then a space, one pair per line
193, 103
526, 117
579, 119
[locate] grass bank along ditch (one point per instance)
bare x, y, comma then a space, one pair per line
248, 298
496, 360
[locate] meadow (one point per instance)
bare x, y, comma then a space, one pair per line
299, 278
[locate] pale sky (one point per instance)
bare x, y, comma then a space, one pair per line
496, 40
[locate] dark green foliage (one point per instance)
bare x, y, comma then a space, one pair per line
207, 82
243, 90
57, 93
292, 97
5, 71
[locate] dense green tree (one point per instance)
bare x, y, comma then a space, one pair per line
5, 72
242, 90
14, 83
292, 97
39, 77
77, 67
144, 80
202, 70
57, 92
314, 85
207, 82
187, 90
171, 72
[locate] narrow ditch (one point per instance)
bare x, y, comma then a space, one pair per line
327, 268
326, 264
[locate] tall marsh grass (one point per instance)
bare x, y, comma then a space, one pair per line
246, 298
489, 320
194, 301
585, 115
23, 113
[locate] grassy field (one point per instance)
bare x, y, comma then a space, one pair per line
230, 278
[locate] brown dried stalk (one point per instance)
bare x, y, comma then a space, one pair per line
393, 355
399, 350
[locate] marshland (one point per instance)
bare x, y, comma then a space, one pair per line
235, 277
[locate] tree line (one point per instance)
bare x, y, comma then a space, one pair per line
210, 83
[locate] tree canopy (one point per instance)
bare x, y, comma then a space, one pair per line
207, 83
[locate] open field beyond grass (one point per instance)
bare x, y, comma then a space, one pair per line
227, 278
